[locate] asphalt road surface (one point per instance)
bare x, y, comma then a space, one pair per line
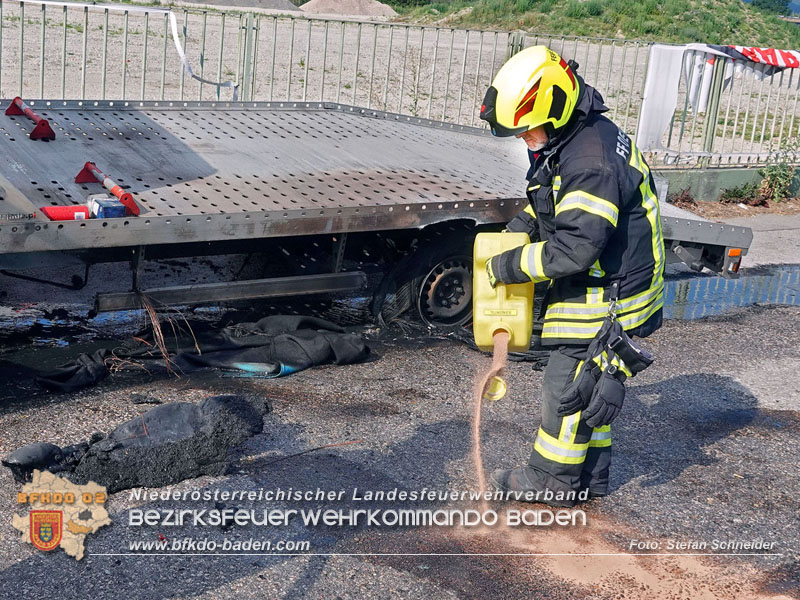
705, 450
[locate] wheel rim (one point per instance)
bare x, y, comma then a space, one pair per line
445, 296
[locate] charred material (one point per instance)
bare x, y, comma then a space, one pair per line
163, 446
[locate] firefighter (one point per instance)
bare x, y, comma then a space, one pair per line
594, 217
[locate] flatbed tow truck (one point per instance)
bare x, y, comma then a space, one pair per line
337, 199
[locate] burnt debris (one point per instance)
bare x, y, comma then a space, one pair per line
163, 446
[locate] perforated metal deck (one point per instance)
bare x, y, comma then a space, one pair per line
214, 171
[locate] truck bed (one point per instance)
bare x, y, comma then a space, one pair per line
213, 171
216, 171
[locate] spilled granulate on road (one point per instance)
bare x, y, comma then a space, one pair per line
581, 563
584, 557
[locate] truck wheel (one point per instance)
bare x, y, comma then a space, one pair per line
444, 297
443, 293
434, 280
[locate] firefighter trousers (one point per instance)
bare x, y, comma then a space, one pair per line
568, 454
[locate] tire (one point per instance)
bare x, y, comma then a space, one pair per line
442, 287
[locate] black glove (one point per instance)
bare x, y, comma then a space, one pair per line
500, 268
607, 398
579, 393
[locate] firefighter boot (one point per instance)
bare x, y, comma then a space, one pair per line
526, 485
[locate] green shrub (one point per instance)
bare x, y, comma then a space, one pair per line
690, 34
594, 8
575, 9
676, 8
546, 6
650, 27
779, 172
680, 21
777, 180
747, 193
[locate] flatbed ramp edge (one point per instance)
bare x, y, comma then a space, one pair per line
209, 171
215, 171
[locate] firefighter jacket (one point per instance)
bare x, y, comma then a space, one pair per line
592, 201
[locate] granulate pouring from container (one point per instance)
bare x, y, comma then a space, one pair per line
502, 321
491, 387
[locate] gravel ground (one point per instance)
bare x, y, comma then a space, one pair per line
266, 5
361, 8
705, 450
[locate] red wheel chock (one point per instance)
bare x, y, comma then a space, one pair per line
42, 130
91, 174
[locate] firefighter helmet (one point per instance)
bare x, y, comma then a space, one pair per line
535, 87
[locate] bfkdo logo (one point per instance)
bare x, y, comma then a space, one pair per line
46, 528
62, 514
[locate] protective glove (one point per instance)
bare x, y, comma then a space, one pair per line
490, 272
579, 393
607, 398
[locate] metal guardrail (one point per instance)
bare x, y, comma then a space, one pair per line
57, 50
731, 114
126, 52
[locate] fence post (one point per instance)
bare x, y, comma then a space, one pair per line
248, 59
712, 110
516, 42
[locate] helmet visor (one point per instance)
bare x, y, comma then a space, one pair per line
488, 114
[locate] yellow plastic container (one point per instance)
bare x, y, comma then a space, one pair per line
505, 308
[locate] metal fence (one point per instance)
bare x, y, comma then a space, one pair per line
57, 50
128, 52
731, 113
